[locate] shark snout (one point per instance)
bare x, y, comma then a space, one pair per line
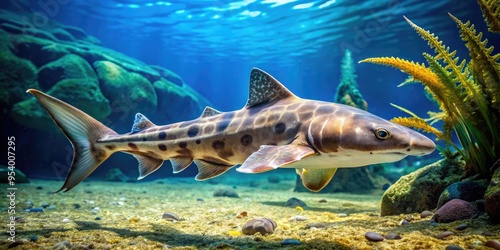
421, 145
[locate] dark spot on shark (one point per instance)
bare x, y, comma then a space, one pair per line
132, 146
218, 145
162, 135
408, 150
193, 131
182, 144
198, 141
209, 128
162, 147
246, 140
222, 125
280, 128
110, 147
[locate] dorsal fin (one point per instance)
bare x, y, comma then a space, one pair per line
209, 111
264, 89
141, 122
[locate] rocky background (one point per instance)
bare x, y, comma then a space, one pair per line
65, 62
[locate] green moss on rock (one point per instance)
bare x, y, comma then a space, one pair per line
67, 67
421, 189
126, 89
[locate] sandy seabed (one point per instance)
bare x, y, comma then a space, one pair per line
131, 217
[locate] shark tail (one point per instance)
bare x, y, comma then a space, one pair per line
83, 132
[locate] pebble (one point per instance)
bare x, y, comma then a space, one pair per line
295, 202
76, 206
455, 209
226, 193
62, 245
372, 236
288, 242
120, 203
170, 216
36, 210
39, 187
425, 214
19, 219
445, 234
34, 238
493, 244
45, 205
392, 236
133, 219
322, 201
316, 225
50, 208
462, 227
97, 218
342, 215
65, 220
28, 204
297, 218
199, 199
262, 225
404, 223
453, 247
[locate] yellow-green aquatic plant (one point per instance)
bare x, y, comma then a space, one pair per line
466, 91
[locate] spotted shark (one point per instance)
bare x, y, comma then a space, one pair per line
275, 129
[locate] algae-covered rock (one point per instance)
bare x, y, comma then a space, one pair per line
19, 176
421, 189
168, 75
465, 190
128, 89
91, 101
492, 197
69, 66
182, 98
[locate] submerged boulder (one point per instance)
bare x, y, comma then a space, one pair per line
69, 66
465, 190
421, 189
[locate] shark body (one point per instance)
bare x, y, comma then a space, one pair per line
275, 129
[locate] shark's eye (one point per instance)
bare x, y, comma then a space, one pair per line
382, 134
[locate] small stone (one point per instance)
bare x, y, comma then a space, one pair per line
262, 225
316, 225
19, 219
445, 234
97, 218
297, 218
392, 236
120, 203
464, 190
404, 223
65, 220
425, 214
50, 208
290, 242
36, 210
462, 227
170, 216
455, 209
342, 215
45, 205
34, 238
133, 219
226, 193
199, 199
28, 204
39, 188
123, 198
495, 244
372, 236
453, 247
241, 214
76, 206
62, 245
322, 201
295, 202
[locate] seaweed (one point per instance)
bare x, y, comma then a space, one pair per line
467, 92
347, 91
491, 14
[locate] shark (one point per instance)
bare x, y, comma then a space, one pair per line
275, 129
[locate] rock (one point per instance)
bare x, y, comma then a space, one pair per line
445, 234
171, 95
425, 214
480, 205
372, 236
262, 225
168, 75
17, 75
226, 193
461, 227
273, 179
36, 210
465, 190
294, 202
404, 223
420, 190
63, 35
392, 236
67, 67
290, 242
386, 186
170, 216
4, 175
455, 209
492, 197
65, 220
297, 218
34, 238
495, 244
115, 174
130, 91
62, 245
322, 201
453, 247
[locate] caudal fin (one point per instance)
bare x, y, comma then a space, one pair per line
83, 131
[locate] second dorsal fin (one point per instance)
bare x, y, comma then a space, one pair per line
141, 122
264, 89
209, 111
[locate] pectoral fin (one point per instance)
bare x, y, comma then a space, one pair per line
272, 157
316, 179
